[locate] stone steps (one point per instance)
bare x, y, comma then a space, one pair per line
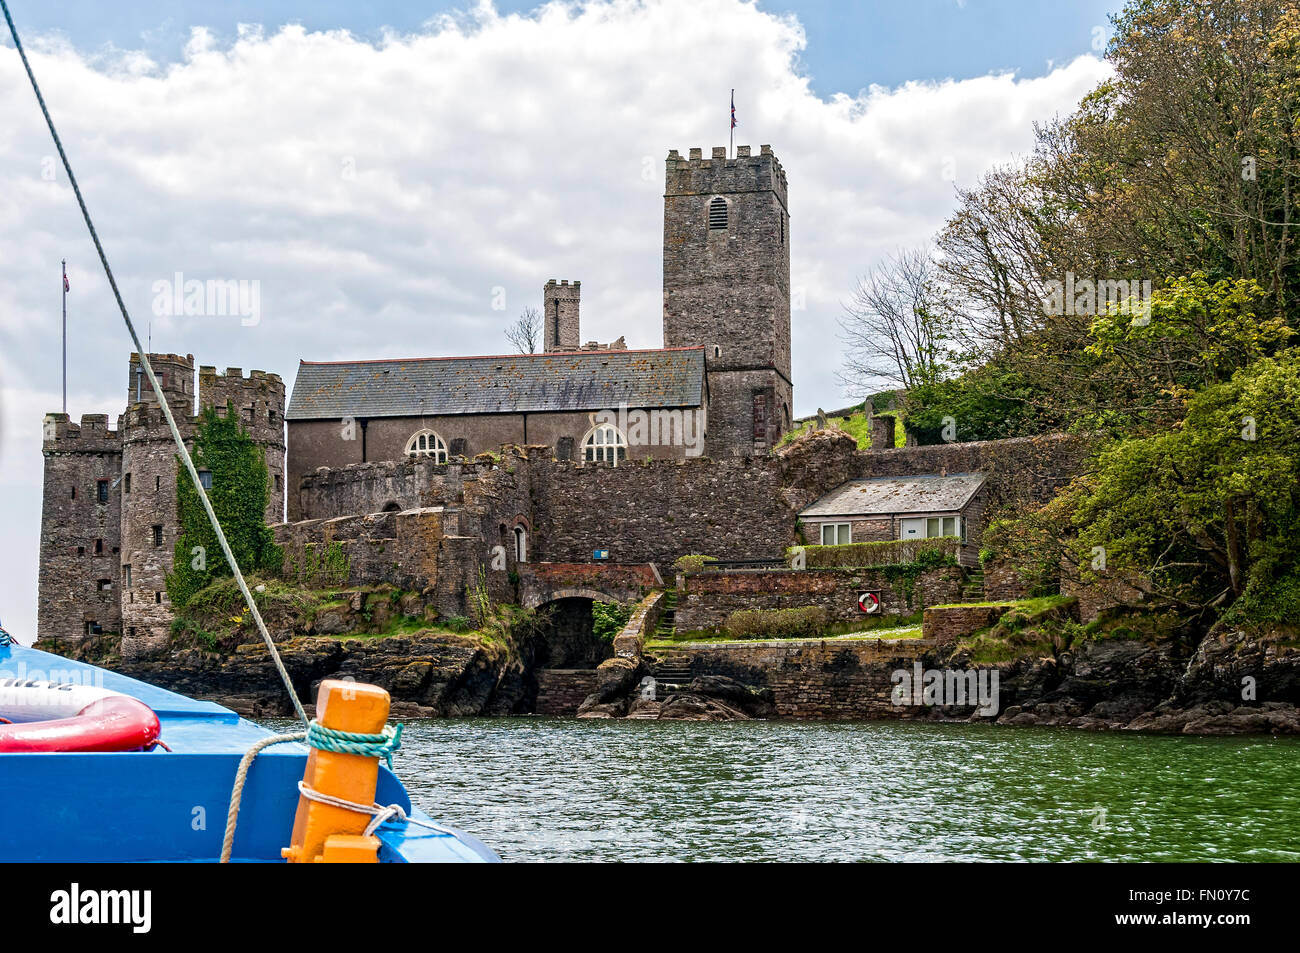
972, 589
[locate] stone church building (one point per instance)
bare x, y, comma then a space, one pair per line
719, 387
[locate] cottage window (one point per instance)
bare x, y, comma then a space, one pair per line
837, 534
101, 491
205, 479
99, 547
157, 534
718, 213
930, 527
126, 571
126, 483
521, 544
426, 443
105, 585
604, 444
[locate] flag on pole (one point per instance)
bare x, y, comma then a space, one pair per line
733, 109
66, 286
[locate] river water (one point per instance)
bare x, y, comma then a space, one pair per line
542, 789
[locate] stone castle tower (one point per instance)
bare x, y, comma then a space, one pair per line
727, 288
109, 520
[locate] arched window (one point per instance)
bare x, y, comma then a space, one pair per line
521, 544
426, 443
718, 213
604, 444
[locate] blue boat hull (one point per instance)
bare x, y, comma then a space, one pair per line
161, 806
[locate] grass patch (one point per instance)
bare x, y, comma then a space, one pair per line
886, 627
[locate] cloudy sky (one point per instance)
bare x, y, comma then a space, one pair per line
400, 179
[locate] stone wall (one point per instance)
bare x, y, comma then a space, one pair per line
657, 511
709, 597
840, 679
1002, 581
560, 691
945, 624
660, 511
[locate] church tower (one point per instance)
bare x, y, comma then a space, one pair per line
727, 289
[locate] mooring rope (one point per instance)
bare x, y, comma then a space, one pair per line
377, 745
241, 775
380, 814
153, 381
381, 745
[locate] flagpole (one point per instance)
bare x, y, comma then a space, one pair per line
65, 335
731, 136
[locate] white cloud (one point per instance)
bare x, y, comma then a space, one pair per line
379, 193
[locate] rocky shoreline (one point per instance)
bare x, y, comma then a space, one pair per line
1226, 682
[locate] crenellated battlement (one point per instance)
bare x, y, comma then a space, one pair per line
743, 172
92, 435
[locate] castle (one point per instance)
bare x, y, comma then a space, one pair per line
720, 387
108, 513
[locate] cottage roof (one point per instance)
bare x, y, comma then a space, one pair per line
513, 383
928, 493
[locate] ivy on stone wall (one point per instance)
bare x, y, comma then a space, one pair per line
239, 496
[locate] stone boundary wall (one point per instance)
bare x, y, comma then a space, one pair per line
326, 493
1002, 581
656, 511
398, 548
708, 597
1108, 592
630, 642
835, 680
560, 691
947, 624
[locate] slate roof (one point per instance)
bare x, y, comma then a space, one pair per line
513, 383
929, 493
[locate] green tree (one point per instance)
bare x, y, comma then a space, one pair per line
1207, 514
239, 496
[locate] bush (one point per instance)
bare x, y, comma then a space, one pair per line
692, 563
806, 622
608, 619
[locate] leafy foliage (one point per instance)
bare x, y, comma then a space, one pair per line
239, 497
608, 619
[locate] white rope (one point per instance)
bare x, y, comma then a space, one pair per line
153, 381
237, 793
380, 814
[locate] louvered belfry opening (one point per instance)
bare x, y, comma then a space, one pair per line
718, 213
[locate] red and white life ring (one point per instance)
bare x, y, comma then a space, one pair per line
53, 716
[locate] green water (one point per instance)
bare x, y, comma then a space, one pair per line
554, 789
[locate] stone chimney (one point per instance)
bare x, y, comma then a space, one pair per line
882, 433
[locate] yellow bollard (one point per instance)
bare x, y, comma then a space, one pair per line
323, 833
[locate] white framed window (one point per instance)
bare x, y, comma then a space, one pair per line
521, 544
426, 443
837, 534
604, 443
929, 527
